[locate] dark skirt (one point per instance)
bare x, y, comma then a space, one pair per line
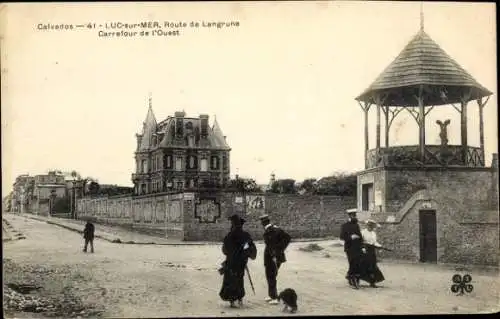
233, 284
369, 268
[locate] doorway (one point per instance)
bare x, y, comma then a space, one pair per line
428, 237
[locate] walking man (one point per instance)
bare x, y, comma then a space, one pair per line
350, 233
276, 241
88, 235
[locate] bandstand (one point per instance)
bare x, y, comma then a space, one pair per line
435, 203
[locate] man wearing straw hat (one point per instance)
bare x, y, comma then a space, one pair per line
350, 233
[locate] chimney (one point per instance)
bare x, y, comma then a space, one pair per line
179, 123
204, 125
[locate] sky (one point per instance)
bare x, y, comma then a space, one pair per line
281, 84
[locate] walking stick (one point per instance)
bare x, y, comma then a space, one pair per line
250, 279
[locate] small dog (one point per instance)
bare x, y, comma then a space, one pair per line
289, 298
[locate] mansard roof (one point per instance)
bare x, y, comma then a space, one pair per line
164, 132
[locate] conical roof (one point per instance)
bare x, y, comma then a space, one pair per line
149, 129
217, 138
423, 62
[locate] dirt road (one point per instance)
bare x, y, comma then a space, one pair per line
173, 281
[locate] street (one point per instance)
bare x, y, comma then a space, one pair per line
173, 281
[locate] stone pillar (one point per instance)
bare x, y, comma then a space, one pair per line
494, 182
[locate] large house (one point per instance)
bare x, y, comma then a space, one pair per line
180, 153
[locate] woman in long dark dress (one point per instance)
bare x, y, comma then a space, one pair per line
238, 246
370, 271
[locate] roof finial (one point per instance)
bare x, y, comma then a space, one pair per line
150, 100
421, 16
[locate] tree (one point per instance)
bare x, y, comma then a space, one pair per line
283, 186
90, 186
244, 185
308, 186
339, 183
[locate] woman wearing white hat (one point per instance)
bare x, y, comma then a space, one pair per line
371, 273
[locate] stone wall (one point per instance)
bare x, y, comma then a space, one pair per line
470, 186
202, 216
300, 216
157, 215
466, 206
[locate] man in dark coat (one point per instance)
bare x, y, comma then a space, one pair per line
238, 246
276, 241
350, 233
88, 235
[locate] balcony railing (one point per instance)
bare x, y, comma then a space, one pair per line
435, 156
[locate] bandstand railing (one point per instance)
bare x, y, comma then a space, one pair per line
435, 155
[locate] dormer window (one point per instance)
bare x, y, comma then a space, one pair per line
190, 140
215, 162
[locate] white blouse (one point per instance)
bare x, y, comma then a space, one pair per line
370, 237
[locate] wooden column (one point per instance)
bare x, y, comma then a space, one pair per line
463, 124
386, 126
378, 127
366, 107
481, 105
421, 124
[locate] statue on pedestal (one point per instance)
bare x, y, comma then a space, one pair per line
443, 134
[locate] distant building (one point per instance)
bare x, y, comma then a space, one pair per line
20, 192
180, 153
45, 186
